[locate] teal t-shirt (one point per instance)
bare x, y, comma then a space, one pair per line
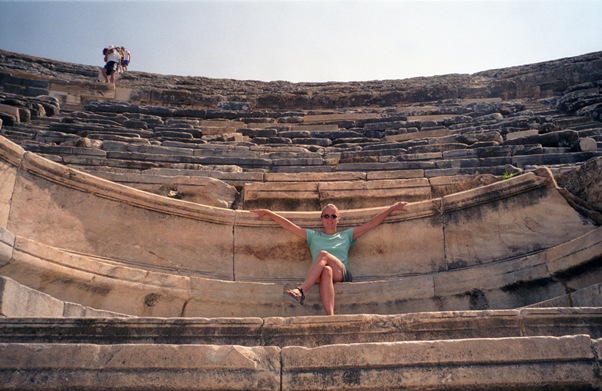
337, 244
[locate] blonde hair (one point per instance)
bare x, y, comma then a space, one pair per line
333, 206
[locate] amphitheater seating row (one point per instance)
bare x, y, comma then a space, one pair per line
125, 143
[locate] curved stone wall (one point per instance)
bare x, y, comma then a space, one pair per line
108, 285
62, 207
84, 239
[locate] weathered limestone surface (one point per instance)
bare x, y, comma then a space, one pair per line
448, 138
44, 324
122, 235
586, 297
347, 352
310, 196
10, 155
104, 284
505, 363
496, 230
198, 189
585, 182
140, 367
17, 300
110, 235
551, 348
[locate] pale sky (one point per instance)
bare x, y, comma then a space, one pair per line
306, 41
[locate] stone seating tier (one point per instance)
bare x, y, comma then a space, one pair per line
142, 156
551, 348
461, 122
525, 363
154, 290
47, 316
413, 155
73, 84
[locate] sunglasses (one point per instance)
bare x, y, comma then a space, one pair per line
329, 217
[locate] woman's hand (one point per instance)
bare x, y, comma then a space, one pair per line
260, 212
379, 218
400, 206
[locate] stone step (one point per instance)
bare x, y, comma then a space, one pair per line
474, 162
525, 363
229, 173
314, 128
109, 146
337, 117
16, 135
590, 131
426, 152
310, 196
408, 165
58, 150
52, 137
134, 139
174, 135
232, 175
419, 135
102, 327
18, 301
198, 189
365, 160
25, 130
553, 158
296, 161
587, 297
568, 122
471, 171
179, 159
86, 164
514, 363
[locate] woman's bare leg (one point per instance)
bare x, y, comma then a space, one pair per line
327, 290
323, 259
326, 269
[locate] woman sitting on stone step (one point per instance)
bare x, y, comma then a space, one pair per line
329, 250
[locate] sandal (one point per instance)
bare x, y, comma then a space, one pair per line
299, 299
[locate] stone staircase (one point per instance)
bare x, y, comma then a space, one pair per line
555, 348
128, 259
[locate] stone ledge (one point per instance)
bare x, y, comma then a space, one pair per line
140, 367
506, 363
17, 300
526, 363
101, 283
307, 331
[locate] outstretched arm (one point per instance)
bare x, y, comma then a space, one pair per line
379, 218
282, 221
